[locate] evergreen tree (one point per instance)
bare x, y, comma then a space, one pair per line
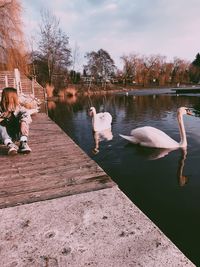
196, 62
194, 70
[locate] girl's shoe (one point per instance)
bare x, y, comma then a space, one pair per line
24, 147
12, 149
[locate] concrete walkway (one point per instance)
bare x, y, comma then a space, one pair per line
99, 226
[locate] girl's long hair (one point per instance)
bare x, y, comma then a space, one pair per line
9, 99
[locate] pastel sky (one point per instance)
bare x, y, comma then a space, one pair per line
166, 27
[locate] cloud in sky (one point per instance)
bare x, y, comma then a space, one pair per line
166, 27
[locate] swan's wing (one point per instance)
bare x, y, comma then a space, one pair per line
152, 137
105, 116
129, 138
139, 135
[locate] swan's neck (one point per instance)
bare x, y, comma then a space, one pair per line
183, 142
94, 119
94, 113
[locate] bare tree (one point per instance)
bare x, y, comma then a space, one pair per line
154, 70
54, 51
12, 47
130, 68
100, 65
180, 71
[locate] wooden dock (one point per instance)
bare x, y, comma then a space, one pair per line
56, 167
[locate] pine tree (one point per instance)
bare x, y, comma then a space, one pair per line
195, 70
196, 62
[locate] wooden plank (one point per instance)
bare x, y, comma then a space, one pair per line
56, 167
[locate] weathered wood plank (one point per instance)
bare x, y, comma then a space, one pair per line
56, 167
32, 169
47, 180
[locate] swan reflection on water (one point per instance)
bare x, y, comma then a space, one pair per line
151, 153
99, 136
182, 179
158, 153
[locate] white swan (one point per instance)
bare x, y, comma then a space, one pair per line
152, 137
100, 121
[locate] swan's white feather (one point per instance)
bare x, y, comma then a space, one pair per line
152, 137
101, 121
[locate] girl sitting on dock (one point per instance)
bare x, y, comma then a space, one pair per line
14, 122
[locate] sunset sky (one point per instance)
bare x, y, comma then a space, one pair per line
165, 27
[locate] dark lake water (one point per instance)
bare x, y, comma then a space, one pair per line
166, 189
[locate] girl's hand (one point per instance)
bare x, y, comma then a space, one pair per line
5, 115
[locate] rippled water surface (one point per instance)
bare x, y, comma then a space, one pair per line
166, 187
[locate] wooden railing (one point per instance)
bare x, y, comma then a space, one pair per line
22, 83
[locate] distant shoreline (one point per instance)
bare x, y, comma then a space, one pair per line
130, 91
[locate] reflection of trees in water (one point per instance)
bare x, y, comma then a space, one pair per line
150, 106
51, 105
153, 107
197, 109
